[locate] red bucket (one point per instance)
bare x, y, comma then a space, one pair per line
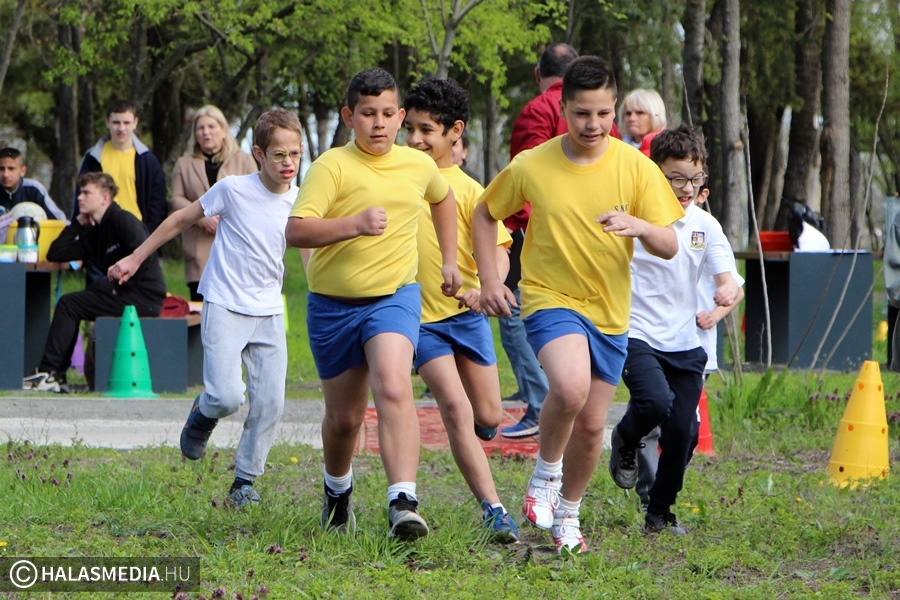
775, 241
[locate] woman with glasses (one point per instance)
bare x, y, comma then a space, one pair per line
642, 116
212, 154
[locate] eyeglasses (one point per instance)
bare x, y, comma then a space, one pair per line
279, 157
680, 182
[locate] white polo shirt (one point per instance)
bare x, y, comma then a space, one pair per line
664, 292
706, 289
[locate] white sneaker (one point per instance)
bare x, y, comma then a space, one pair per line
541, 500
45, 382
566, 532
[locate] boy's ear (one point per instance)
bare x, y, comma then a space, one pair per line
347, 116
456, 130
259, 154
24, 169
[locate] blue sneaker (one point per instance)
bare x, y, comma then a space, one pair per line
500, 523
526, 427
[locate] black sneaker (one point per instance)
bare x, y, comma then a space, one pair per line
404, 519
485, 433
46, 381
657, 523
196, 432
337, 512
623, 464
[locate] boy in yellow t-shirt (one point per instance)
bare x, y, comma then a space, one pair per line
455, 354
358, 209
590, 195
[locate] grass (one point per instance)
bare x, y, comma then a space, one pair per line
764, 521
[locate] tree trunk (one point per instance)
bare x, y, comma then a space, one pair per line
11, 33
776, 180
64, 169
694, 21
764, 129
803, 144
835, 141
490, 127
730, 147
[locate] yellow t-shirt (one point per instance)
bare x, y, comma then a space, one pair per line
120, 166
346, 181
567, 259
435, 305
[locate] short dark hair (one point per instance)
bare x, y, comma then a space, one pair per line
444, 99
10, 152
120, 105
555, 60
371, 82
271, 120
587, 73
104, 181
678, 143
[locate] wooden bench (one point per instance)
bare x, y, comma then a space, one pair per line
174, 351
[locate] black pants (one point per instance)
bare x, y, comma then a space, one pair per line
665, 391
88, 304
892, 314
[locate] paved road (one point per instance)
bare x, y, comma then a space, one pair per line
126, 424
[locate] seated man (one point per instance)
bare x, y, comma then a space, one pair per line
17, 188
102, 233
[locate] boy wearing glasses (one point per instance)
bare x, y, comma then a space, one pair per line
243, 312
665, 362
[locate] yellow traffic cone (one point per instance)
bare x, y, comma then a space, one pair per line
129, 375
861, 447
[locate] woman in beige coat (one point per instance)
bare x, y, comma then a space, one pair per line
212, 154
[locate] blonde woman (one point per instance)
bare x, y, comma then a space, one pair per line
212, 154
643, 115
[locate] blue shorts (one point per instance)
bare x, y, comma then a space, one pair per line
607, 351
468, 334
339, 329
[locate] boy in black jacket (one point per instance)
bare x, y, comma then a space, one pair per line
102, 233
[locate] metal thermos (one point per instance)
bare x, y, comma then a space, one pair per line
27, 232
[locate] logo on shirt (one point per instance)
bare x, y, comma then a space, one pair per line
113, 248
698, 240
621, 208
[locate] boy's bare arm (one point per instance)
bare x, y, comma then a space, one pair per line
174, 224
657, 240
495, 297
708, 320
316, 232
443, 214
472, 298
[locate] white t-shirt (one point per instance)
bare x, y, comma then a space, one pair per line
246, 262
706, 289
664, 292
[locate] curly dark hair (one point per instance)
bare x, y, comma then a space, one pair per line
444, 99
679, 143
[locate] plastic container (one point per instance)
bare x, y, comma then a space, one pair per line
773, 241
50, 230
8, 253
28, 254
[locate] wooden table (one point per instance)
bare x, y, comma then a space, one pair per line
25, 299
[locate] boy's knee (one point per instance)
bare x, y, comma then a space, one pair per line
570, 395
343, 423
228, 403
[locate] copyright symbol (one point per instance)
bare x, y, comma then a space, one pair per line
23, 574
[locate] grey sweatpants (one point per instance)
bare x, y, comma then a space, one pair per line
230, 339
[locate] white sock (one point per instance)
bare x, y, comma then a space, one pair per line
407, 487
548, 470
339, 485
567, 508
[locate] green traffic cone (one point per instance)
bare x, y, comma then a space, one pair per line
129, 375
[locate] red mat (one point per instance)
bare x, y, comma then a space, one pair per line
434, 436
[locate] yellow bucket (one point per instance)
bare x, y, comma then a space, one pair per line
50, 230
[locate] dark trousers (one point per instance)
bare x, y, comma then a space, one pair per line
893, 313
87, 305
665, 391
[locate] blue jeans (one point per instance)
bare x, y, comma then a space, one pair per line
528, 372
